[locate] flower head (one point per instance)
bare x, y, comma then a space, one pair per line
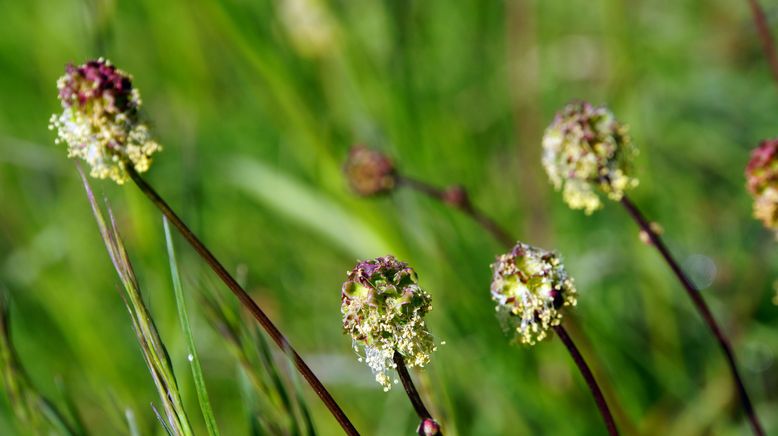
585, 148
100, 122
530, 286
762, 182
383, 310
369, 172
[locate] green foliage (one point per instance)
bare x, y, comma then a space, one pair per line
274, 403
34, 413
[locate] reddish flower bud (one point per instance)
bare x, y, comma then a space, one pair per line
369, 172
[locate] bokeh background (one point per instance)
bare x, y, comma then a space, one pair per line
256, 103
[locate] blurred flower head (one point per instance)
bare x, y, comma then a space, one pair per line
309, 25
762, 182
100, 122
586, 149
383, 310
369, 172
530, 286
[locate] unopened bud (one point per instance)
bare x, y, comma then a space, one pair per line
428, 427
369, 172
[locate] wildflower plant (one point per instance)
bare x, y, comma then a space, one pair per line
100, 120
100, 124
383, 311
586, 151
370, 172
531, 286
762, 183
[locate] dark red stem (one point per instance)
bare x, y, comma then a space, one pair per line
457, 197
410, 389
599, 398
702, 308
247, 302
763, 29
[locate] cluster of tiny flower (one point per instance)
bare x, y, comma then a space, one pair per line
383, 311
530, 286
584, 148
762, 182
100, 121
369, 172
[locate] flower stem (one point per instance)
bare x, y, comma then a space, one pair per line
247, 302
763, 29
410, 389
458, 198
599, 398
701, 306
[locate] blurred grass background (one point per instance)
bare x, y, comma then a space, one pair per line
256, 103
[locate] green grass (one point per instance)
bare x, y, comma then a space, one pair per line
193, 357
255, 126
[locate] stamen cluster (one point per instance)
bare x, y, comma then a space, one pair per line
383, 310
585, 148
530, 286
100, 122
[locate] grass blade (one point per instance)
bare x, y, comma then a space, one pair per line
194, 360
153, 349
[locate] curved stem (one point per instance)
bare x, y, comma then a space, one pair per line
410, 389
702, 308
763, 29
247, 302
599, 398
458, 198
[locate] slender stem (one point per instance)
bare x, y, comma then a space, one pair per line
410, 389
599, 398
457, 197
247, 302
701, 306
763, 29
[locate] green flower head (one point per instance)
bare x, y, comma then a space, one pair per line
100, 122
530, 286
585, 149
383, 311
